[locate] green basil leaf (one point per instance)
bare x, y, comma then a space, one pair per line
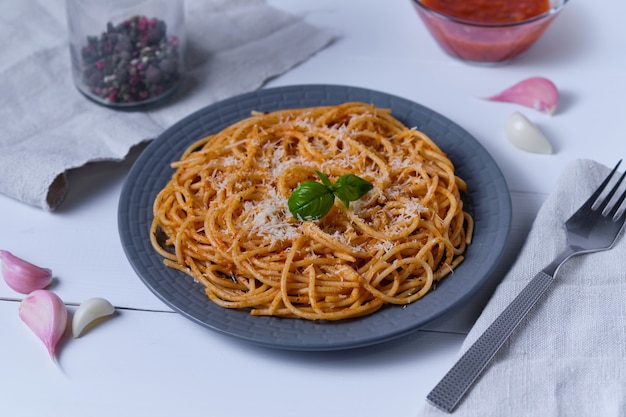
310, 201
350, 187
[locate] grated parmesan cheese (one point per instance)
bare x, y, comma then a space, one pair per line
268, 218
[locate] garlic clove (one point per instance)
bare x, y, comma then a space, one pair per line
88, 312
536, 92
46, 315
22, 276
524, 134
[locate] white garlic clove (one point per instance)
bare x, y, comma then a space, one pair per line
536, 92
524, 134
46, 315
22, 276
88, 312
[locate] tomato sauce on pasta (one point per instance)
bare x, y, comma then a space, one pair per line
223, 217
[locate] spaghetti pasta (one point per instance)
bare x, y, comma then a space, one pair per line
223, 217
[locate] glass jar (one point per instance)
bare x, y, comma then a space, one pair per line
126, 53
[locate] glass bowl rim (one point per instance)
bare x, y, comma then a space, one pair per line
552, 11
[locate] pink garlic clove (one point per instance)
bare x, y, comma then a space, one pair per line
22, 276
46, 315
536, 92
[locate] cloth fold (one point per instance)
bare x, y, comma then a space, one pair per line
568, 356
48, 127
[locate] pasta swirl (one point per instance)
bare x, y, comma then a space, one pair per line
223, 217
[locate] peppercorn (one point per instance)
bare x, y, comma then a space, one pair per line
131, 62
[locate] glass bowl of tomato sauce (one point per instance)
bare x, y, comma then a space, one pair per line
487, 30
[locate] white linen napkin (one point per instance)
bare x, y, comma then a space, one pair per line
568, 357
47, 127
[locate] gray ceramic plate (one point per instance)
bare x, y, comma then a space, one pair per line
488, 201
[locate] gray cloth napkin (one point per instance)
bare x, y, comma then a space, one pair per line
47, 127
568, 357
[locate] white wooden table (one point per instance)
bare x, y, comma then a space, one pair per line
148, 360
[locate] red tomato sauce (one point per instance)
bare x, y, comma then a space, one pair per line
485, 30
490, 11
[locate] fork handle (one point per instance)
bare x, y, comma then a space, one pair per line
459, 379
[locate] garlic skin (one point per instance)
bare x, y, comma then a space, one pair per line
46, 315
536, 92
22, 276
89, 311
524, 134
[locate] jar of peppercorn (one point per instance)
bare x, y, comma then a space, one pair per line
126, 53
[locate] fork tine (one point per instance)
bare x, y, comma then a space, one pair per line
618, 203
592, 199
603, 205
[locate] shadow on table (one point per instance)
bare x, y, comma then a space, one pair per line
93, 179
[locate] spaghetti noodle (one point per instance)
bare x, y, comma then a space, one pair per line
223, 216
